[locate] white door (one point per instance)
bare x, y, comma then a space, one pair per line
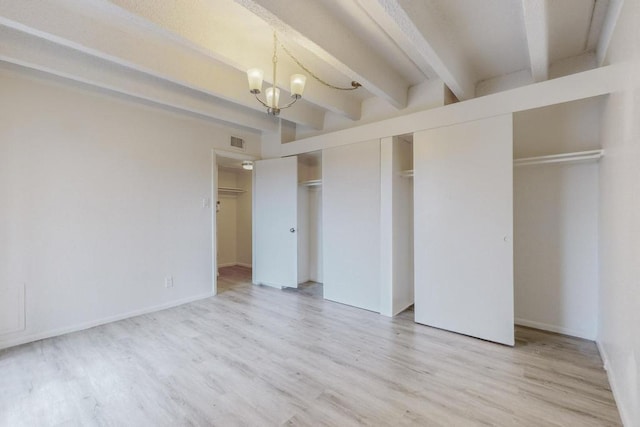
276, 215
463, 219
351, 224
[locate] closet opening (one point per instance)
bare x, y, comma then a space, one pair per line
233, 222
310, 266
555, 183
506, 223
397, 219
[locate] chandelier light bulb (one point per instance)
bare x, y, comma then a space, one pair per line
255, 77
272, 101
297, 84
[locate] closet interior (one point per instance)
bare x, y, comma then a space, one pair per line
396, 202
310, 218
555, 179
506, 228
233, 215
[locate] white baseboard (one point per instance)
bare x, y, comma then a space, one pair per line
271, 285
603, 355
86, 325
402, 307
554, 328
303, 280
233, 264
624, 414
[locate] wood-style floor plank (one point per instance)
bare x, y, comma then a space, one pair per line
262, 357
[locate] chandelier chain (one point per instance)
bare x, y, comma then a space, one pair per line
354, 84
275, 65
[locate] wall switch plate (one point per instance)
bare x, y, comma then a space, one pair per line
206, 202
168, 282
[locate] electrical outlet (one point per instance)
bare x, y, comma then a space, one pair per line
168, 282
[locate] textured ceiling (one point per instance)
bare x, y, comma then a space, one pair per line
490, 34
569, 25
354, 15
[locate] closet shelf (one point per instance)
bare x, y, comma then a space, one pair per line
579, 156
230, 190
312, 183
560, 158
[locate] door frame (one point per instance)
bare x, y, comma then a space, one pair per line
214, 215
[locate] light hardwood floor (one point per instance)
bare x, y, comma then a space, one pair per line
258, 356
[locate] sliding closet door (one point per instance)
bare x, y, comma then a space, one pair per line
276, 216
351, 224
463, 219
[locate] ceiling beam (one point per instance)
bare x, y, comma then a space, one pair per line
418, 32
598, 15
307, 23
608, 27
29, 51
110, 33
537, 32
208, 32
377, 12
596, 82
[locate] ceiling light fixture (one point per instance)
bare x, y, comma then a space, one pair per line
247, 165
255, 77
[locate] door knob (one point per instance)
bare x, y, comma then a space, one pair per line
293, 230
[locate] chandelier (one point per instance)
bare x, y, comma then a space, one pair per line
255, 77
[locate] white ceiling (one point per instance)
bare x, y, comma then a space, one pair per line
192, 54
490, 34
569, 25
229, 162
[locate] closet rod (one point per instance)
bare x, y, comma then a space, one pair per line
230, 190
311, 183
560, 158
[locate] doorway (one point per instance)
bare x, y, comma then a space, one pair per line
288, 231
310, 265
233, 237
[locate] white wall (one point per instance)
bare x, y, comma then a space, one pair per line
619, 318
303, 232
234, 218
101, 198
556, 220
561, 128
556, 248
430, 94
227, 219
244, 224
315, 235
